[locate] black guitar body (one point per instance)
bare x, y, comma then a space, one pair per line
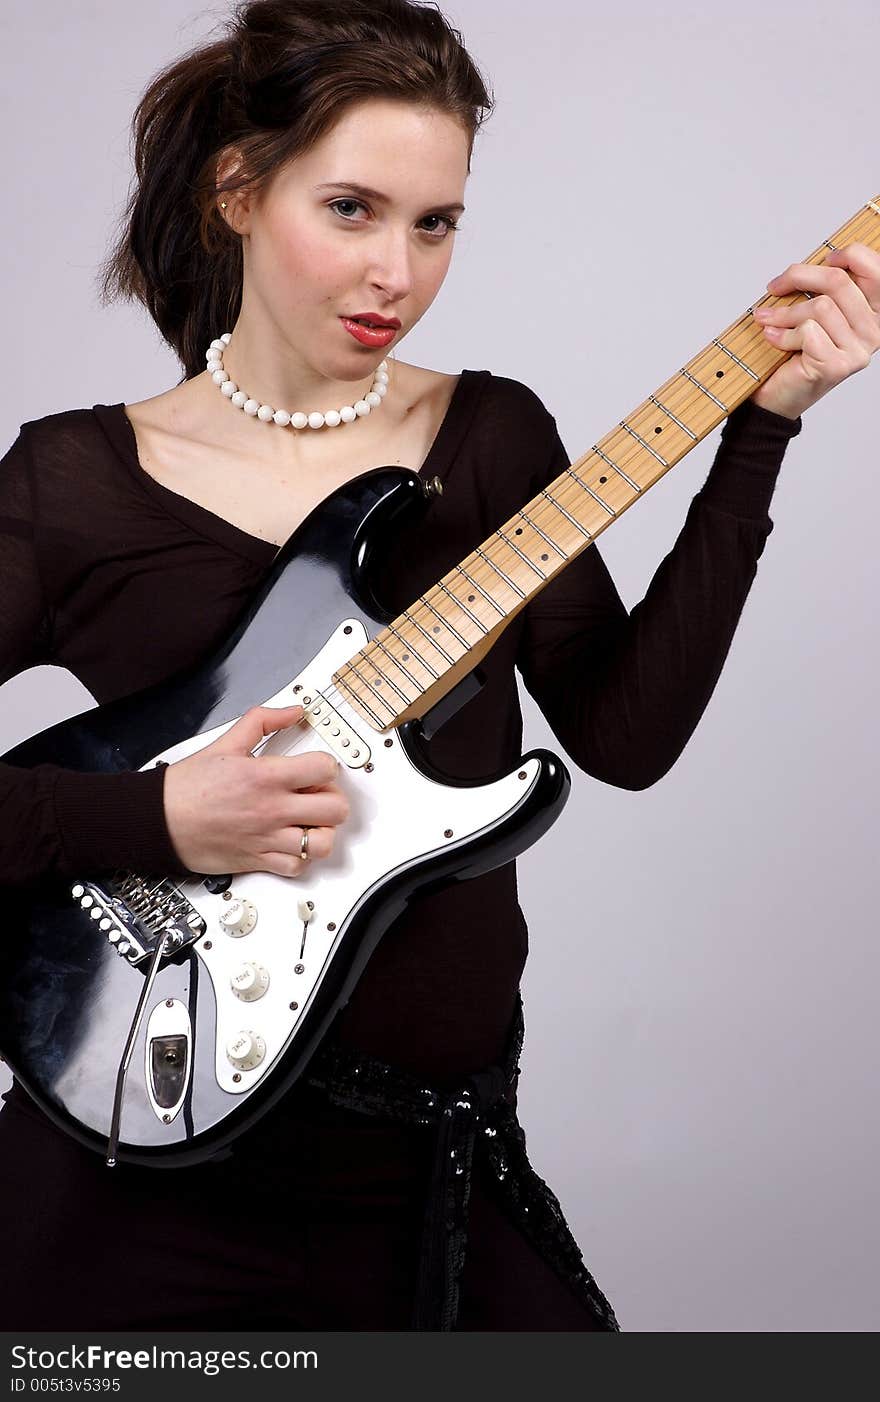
67, 997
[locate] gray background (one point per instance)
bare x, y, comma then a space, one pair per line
698, 1082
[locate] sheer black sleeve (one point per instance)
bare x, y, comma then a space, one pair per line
623, 692
54, 820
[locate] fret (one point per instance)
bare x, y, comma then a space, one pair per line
669, 414
763, 358
409, 648
742, 365
739, 371
445, 622
630, 457
352, 668
456, 600
377, 642
614, 468
595, 495
491, 563
577, 525
489, 600
427, 636
524, 558
639, 439
655, 425
565, 517
373, 685
689, 376
535, 527
696, 409
365, 654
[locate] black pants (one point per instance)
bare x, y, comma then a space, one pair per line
320, 1233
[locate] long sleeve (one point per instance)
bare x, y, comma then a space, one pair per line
623, 692
54, 820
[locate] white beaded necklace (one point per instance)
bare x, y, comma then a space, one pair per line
331, 417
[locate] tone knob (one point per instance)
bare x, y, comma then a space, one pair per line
249, 982
238, 917
245, 1050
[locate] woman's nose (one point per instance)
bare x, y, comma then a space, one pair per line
392, 268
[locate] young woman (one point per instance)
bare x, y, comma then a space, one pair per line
296, 180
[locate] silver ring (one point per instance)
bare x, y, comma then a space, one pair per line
304, 845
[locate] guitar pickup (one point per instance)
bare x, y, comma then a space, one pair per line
336, 734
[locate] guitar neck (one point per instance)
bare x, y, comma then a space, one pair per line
416, 659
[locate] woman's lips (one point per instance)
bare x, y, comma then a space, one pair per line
368, 335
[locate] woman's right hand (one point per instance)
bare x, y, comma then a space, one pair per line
228, 810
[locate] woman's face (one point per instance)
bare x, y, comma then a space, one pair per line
318, 249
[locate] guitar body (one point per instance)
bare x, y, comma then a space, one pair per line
247, 988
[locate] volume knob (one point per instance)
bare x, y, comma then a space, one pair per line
238, 917
245, 1050
249, 982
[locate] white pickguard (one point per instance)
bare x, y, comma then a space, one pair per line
397, 817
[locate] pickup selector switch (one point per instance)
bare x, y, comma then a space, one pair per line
249, 982
245, 1050
238, 917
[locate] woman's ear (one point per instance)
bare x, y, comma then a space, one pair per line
238, 202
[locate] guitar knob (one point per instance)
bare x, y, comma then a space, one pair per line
238, 917
249, 982
245, 1050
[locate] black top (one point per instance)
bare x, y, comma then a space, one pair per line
123, 581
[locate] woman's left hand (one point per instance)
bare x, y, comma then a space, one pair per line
836, 331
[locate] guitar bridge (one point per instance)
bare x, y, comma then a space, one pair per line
136, 915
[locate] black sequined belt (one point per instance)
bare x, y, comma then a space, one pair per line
482, 1107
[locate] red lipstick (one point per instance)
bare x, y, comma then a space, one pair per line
381, 335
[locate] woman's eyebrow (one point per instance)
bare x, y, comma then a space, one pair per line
368, 194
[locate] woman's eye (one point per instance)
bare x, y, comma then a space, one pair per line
346, 200
356, 203
446, 220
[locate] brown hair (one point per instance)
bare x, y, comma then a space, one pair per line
280, 78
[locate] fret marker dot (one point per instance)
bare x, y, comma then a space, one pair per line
545, 557
471, 598
658, 430
436, 628
518, 530
719, 374
603, 479
405, 657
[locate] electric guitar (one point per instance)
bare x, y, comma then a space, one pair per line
156, 1019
